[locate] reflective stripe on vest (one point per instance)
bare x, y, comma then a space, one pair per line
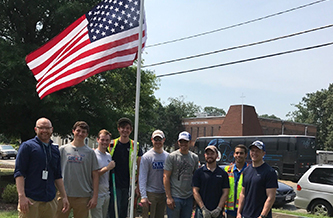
230, 204
130, 157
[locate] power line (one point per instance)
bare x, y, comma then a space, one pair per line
239, 46
236, 25
246, 60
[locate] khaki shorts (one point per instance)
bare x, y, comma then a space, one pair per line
40, 209
78, 204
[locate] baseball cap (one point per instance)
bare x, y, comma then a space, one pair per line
211, 147
158, 133
124, 120
258, 144
185, 136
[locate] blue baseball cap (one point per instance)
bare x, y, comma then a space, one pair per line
258, 144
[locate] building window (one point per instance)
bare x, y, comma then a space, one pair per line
197, 131
212, 131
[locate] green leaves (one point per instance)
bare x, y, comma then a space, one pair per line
316, 108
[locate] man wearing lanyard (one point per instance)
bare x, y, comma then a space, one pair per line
235, 173
38, 174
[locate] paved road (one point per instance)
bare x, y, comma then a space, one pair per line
8, 162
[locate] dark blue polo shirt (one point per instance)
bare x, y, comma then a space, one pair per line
211, 185
31, 161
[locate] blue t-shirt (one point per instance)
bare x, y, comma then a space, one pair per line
255, 181
211, 185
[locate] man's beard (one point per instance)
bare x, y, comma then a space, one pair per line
210, 160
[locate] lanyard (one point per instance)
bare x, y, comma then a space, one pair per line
46, 158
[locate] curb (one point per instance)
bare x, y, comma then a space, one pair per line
283, 215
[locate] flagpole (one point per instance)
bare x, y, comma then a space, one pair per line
137, 105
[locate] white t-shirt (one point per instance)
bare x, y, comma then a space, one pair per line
103, 160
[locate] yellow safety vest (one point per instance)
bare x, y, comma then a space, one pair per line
230, 204
130, 157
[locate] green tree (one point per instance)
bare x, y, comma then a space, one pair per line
169, 118
316, 108
272, 116
100, 100
214, 111
184, 109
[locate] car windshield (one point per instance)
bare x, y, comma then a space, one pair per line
6, 147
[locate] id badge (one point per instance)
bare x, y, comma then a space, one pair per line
45, 174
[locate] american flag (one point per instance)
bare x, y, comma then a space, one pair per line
105, 38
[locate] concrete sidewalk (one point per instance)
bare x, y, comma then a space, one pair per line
283, 215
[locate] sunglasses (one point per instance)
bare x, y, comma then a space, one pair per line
157, 139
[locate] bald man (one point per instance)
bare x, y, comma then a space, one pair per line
38, 174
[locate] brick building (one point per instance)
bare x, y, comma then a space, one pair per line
242, 120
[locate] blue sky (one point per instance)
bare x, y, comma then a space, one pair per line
272, 85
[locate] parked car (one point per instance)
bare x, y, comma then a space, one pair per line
284, 194
7, 151
315, 190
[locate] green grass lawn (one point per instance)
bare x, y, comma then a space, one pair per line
297, 213
8, 214
14, 213
6, 171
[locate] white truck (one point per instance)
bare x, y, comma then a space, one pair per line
324, 157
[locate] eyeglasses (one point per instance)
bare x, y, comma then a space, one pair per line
43, 127
157, 139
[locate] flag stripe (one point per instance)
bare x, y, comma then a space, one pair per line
47, 50
85, 64
48, 64
77, 77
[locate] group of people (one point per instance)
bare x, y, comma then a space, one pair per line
96, 183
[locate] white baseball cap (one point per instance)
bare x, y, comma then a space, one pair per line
158, 133
185, 136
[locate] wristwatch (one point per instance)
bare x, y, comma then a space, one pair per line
263, 216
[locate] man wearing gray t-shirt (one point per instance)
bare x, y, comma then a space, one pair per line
79, 168
178, 172
151, 178
105, 164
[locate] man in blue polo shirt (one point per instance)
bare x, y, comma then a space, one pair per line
38, 174
210, 186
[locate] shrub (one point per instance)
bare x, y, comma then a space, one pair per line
9, 195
